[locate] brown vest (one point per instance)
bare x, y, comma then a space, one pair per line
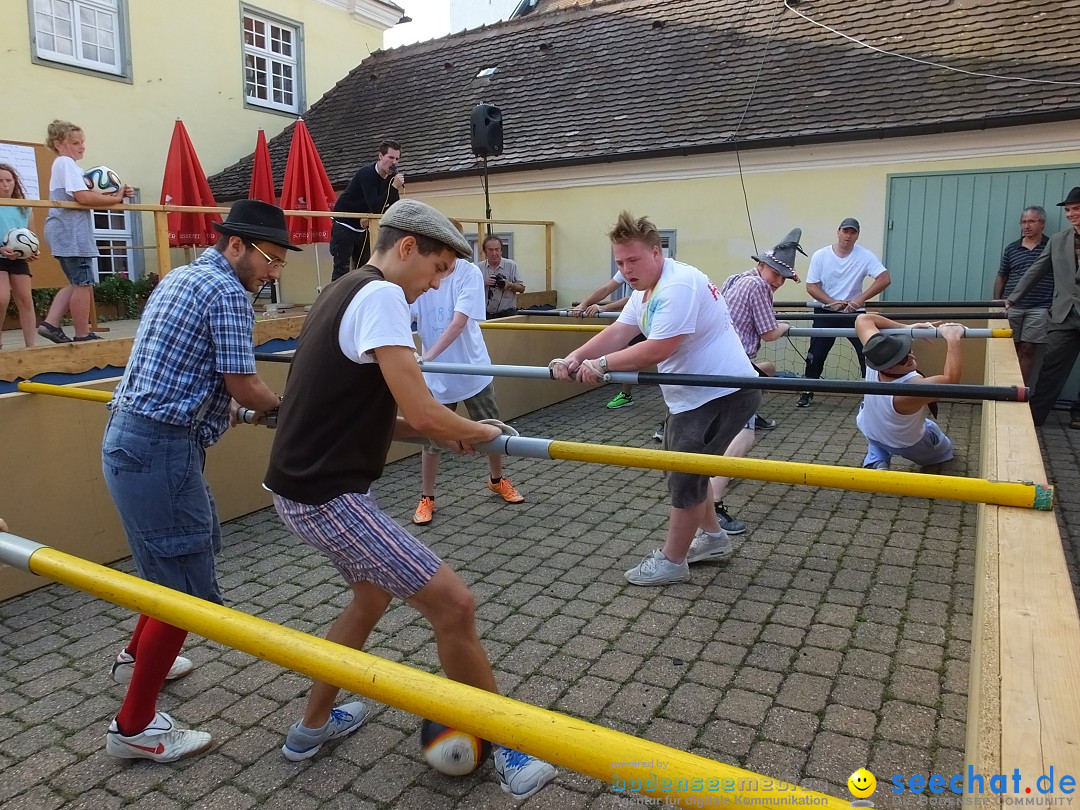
337, 420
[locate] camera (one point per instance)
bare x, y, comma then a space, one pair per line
500, 281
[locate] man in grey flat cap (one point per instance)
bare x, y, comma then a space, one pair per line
835, 279
353, 371
749, 297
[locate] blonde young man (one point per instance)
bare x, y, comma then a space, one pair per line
687, 329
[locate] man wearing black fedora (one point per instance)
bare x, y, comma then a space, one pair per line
191, 366
1061, 256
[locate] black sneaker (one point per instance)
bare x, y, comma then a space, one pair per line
91, 336
761, 423
804, 400
727, 522
658, 434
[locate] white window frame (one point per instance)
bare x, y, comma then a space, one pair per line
295, 62
110, 238
82, 32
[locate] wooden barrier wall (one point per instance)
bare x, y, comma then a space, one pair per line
1024, 687
51, 485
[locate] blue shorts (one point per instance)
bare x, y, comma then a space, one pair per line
78, 269
363, 542
933, 448
154, 473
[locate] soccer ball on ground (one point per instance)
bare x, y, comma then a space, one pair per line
23, 241
452, 752
103, 179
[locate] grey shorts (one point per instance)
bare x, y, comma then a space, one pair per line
1030, 325
480, 406
78, 269
706, 429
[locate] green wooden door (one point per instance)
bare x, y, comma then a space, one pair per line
945, 231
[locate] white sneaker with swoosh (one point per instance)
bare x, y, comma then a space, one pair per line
161, 741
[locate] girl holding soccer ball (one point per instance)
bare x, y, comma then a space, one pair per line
70, 232
14, 270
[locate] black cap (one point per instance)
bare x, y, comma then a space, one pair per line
850, 222
1074, 197
259, 221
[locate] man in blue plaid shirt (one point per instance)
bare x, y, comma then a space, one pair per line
192, 357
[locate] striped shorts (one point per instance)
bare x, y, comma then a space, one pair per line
364, 543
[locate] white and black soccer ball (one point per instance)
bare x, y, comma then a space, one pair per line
103, 179
22, 241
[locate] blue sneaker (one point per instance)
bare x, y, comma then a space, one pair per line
304, 742
521, 775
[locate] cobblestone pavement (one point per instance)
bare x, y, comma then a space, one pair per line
1060, 450
837, 637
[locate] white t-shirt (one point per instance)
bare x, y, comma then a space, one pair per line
879, 421
377, 316
685, 302
461, 291
842, 279
69, 231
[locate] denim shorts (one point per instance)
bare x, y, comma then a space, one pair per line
708, 428
78, 269
154, 473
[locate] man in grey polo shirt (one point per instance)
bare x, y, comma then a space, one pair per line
1030, 318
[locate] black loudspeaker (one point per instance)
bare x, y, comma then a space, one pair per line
486, 130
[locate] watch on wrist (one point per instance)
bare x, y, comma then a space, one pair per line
603, 364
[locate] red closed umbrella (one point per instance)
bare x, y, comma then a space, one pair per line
262, 175
306, 188
185, 184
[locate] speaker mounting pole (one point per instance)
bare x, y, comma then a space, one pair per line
487, 197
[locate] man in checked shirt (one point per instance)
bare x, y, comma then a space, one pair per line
191, 366
749, 297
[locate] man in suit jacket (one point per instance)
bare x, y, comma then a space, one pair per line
1062, 256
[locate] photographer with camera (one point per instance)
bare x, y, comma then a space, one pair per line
501, 279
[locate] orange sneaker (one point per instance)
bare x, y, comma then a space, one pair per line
424, 510
506, 490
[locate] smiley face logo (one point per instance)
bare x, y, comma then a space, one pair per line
862, 784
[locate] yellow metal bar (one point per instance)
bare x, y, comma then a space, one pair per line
613, 757
1001, 333
544, 327
66, 391
917, 485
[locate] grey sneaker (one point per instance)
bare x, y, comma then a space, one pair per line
304, 742
656, 569
53, 333
727, 522
521, 775
761, 423
706, 547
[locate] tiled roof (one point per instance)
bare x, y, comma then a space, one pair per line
631, 79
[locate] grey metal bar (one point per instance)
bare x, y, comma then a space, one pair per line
16, 551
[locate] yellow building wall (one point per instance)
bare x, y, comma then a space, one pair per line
812, 187
186, 62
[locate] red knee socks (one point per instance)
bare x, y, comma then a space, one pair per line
158, 645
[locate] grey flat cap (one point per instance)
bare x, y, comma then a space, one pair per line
420, 218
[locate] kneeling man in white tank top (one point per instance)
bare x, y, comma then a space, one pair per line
900, 425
